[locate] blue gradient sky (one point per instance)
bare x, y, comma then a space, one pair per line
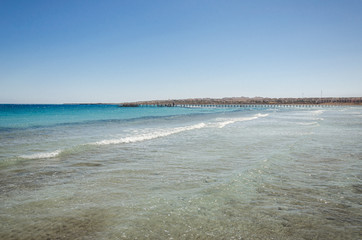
113, 51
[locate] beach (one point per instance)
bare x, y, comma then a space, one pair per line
106, 172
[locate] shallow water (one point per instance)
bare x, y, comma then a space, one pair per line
176, 173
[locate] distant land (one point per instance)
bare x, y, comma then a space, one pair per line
246, 100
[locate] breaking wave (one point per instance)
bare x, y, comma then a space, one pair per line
151, 135
317, 112
41, 155
308, 123
234, 120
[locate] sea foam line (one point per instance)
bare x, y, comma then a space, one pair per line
151, 135
130, 139
234, 120
318, 112
308, 123
41, 155
146, 136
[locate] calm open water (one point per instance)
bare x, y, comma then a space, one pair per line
104, 172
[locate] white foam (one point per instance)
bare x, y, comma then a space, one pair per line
308, 123
42, 155
318, 112
224, 123
152, 135
234, 120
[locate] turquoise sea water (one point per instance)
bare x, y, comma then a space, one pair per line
105, 172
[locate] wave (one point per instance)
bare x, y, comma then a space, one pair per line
131, 139
166, 132
318, 112
41, 155
234, 120
151, 135
308, 123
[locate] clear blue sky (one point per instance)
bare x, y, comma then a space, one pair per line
55, 51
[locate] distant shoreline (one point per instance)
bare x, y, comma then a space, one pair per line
353, 101
340, 101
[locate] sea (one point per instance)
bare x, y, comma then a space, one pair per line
110, 172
